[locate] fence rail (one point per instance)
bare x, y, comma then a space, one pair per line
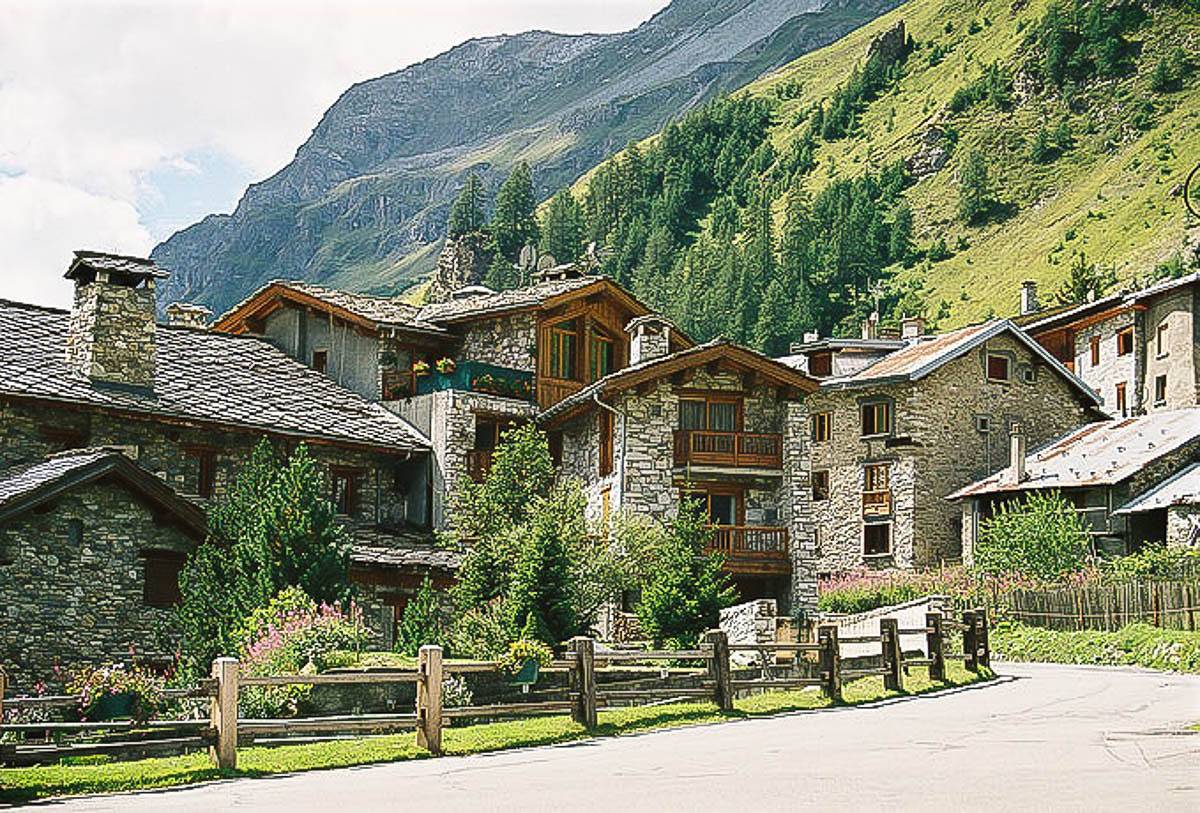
1169, 604
223, 731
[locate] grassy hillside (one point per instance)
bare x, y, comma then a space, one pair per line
1114, 195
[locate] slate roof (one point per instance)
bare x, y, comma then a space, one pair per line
504, 301
26, 486
374, 547
201, 376
1181, 489
120, 263
923, 355
1058, 317
1098, 454
377, 311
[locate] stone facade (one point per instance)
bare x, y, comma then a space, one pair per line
1183, 525
752, 622
1178, 360
111, 335
950, 428
73, 581
1112, 369
506, 341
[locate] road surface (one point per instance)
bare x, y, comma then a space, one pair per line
1042, 737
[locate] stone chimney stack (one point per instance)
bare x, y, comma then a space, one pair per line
1016, 454
1029, 297
870, 327
185, 314
650, 338
912, 327
111, 336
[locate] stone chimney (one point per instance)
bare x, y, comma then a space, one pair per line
185, 314
1029, 298
650, 338
111, 336
912, 327
1016, 454
870, 327
811, 336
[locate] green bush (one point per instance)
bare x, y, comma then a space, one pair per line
1042, 537
1132, 645
480, 633
1154, 562
424, 620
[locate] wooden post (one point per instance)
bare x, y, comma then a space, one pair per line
584, 681
934, 643
889, 634
718, 668
981, 638
3, 689
970, 647
831, 661
429, 698
224, 713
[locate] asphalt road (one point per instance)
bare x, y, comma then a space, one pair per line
1043, 737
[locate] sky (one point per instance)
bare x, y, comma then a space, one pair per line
121, 122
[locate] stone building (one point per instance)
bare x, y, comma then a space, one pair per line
1132, 480
187, 405
1140, 350
901, 422
718, 422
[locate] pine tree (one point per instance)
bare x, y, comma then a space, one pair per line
900, 247
423, 620
514, 224
1040, 151
562, 227
541, 594
772, 330
466, 215
973, 200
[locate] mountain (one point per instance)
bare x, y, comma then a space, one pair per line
1075, 122
363, 204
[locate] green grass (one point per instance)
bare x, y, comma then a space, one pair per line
1133, 645
26, 784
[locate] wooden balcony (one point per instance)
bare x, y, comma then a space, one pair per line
753, 549
876, 503
479, 463
552, 390
732, 449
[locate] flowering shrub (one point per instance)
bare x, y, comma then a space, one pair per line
420, 368
445, 366
94, 684
455, 692
525, 650
293, 634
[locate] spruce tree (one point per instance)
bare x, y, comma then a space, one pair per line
466, 215
423, 620
973, 201
562, 228
514, 223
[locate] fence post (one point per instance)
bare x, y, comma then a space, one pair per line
3, 689
718, 668
584, 679
889, 635
831, 661
981, 639
970, 647
224, 713
934, 643
429, 698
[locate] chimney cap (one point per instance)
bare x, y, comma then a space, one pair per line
468, 291
651, 320
121, 269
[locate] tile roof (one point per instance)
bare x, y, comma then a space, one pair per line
1102, 453
503, 301
101, 261
201, 376
925, 354
1181, 489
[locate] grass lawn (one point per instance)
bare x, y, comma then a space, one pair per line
25, 784
1132, 645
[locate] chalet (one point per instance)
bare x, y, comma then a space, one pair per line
1140, 350
1132, 480
901, 421
185, 405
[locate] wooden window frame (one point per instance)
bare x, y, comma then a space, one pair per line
820, 363
821, 426
320, 360
1008, 368
709, 399
1094, 350
877, 477
605, 427
888, 411
820, 485
1160, 389
569, 337
206, 469
888, 525
1122, 399
704, 492
351, 475
1125, 341
154, 592
597, 338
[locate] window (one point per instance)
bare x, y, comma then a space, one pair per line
562, 350
983, 424
877, 539
876, 418
160, 587
820, 364
206, 470
75, 533
1029, 374
822, 426
1094, 345
999, 368
606, 442
1160, 390
713, 415
1160, 340
1122, 405
1125, 341
555, 440
722, 507
820, 486
320, 360
601, 355
875, 477
345, 490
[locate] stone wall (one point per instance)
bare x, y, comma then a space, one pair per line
67, 605
1183, 525
1180, 359
752, 622
507, 341
1112, 369
111, 333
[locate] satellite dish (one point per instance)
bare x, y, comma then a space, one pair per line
528, 257
546, 262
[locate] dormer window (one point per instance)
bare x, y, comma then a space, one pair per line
601, 355
563, 350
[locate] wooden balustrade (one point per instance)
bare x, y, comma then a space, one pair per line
876, 503
761, 450
748, 549
552, 390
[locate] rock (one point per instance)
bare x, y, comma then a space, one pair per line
463, 262
889, 46
931, 156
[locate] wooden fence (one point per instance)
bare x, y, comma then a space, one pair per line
1173, 604
224, 730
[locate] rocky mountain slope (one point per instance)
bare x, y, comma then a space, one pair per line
363, 205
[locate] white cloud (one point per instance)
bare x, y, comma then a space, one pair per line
107, 98
42, 220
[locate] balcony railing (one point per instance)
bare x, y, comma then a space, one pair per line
475, 376
752, 548
479, 463
876, 503
736, 449
552, 390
